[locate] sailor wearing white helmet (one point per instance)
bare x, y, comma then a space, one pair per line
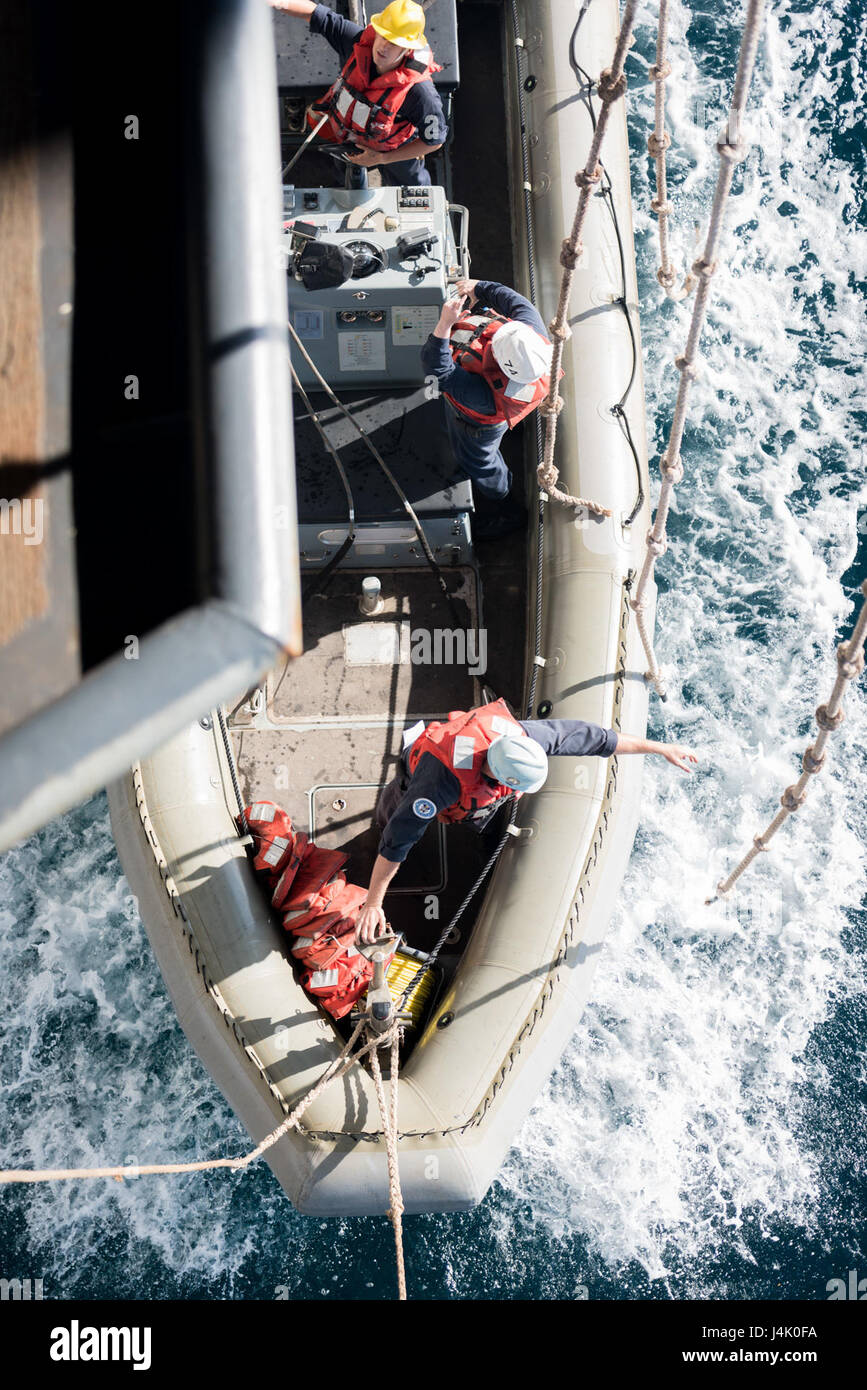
491, 357
464, 767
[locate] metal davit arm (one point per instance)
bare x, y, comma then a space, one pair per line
250, 608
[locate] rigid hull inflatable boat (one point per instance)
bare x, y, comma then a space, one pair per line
323, 732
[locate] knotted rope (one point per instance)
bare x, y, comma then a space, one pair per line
829, 717
610, 88
334, 1071
731, 148
657, 144
389, 1125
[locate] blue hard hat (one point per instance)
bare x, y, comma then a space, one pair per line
518, 762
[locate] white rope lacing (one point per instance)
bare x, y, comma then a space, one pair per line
657, 144
731, 147
610, 88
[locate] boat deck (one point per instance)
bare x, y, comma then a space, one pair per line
326, 732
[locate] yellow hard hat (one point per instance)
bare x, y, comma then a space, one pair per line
401, 22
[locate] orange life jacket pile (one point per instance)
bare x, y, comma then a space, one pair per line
308, 887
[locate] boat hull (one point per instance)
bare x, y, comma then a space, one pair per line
526, 972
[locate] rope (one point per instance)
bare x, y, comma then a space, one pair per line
732, 148
610, 88
618, 409
389, 1125
337, 1068
530, 224
829, 717
233, 771
471, 893
657, 144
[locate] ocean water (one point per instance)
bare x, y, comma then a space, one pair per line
702, 1135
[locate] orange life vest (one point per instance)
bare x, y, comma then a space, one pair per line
364, 105
462, 746
471, 343
340, 985
273, 837
320, 909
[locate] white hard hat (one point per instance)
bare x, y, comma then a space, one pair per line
518, 762
520, 351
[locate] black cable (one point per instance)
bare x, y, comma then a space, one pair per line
230, 758
525, 160
407, 505
529, 220
607, 193
321, 576
446, 932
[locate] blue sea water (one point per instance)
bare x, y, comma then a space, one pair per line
702, 1136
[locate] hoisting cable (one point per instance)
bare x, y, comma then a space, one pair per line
610, 88
829, 717
598, 132
732, 148
298, 153
316, 582
407, 505
657, 144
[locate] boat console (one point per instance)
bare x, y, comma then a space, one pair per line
400, 259
364, 334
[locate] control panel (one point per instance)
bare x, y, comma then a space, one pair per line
367, 318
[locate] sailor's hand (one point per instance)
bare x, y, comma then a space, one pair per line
679, 756
365, 158
371, 924
449, 314
468, 288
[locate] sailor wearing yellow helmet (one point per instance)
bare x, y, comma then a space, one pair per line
383, 101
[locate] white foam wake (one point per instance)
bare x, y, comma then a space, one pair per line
680, 1109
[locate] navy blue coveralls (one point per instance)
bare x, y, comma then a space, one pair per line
477, 447
408, 804
422, 106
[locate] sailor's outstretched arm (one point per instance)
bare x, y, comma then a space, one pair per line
674, 753
577, 738
303, 8
506, 301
